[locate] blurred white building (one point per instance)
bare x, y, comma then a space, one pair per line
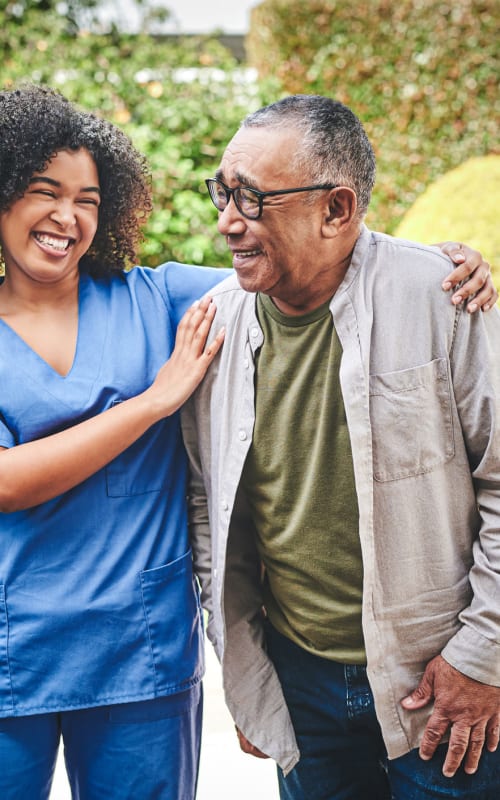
185, 16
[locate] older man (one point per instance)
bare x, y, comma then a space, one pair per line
348, 441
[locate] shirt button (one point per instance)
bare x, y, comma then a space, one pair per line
215, 573
242, 436
224, 505
246, 363
254, 332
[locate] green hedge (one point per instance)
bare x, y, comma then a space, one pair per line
421, 74
179, 102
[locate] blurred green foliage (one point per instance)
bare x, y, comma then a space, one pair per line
180, 102
461, 205
421, 74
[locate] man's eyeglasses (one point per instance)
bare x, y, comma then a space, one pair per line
250, 202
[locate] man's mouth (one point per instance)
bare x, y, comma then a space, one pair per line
60, 245
242, 254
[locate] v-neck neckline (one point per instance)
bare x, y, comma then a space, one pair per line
32, 354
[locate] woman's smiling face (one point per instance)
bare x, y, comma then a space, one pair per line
46, 232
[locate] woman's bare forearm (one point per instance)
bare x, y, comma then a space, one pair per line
37, 471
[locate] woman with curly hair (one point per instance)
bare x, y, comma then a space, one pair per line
100, 632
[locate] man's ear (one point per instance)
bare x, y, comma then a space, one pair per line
341, 210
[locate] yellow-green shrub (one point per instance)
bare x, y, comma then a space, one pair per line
464, 205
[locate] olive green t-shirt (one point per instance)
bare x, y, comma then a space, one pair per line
299, 481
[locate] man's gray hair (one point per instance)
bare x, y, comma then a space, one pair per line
334, 147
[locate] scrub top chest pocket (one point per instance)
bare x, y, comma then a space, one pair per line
138, 469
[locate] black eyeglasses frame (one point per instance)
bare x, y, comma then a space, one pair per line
234, 193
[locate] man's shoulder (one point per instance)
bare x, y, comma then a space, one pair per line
398, 274
405, 267
229, 286
403, 252
229, 296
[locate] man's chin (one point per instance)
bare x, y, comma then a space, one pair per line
249, 283
246, 277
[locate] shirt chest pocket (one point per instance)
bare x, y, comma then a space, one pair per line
411, 417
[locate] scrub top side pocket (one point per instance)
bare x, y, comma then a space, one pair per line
174, 621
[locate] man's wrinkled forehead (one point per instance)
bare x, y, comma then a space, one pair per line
256, 155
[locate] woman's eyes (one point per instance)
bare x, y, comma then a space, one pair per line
90, 201
45, 192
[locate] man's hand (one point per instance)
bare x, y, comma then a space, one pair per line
247, 747
480, 284
471, 709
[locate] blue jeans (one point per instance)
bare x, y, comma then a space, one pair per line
131, 751
343, 756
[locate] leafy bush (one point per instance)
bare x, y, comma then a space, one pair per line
421, 74
180, 102
462, 205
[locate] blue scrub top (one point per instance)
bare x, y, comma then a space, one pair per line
98, 603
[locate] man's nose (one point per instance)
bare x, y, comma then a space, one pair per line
231, 220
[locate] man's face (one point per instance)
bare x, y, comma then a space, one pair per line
280, 253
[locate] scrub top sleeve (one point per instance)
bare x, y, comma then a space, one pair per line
6, 437
185, 283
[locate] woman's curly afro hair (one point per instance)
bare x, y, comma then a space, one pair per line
37, 122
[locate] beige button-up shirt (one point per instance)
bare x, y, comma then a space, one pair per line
421, 387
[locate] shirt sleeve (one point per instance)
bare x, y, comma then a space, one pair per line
6, 437
475, 649
198, 521
185, 283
